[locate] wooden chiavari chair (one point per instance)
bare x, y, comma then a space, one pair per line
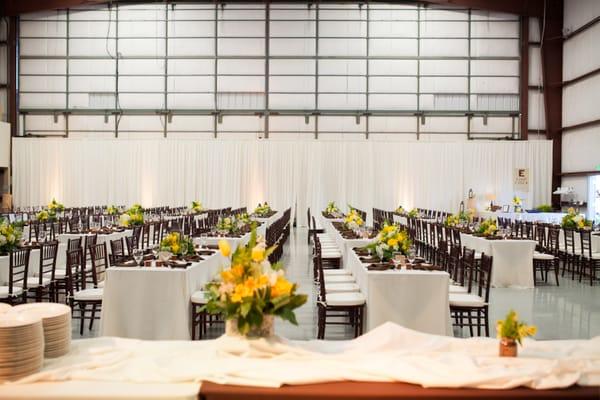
18, 264
41, 284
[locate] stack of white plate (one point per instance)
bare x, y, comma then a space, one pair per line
56, 320
21, 345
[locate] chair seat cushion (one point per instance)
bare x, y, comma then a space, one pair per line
342, 288
89, 294
336, 272
4, 291
466, 300
199, 297
457, 289
331, 255
60, 274
542, 256
345, 299
339, 279
34, 281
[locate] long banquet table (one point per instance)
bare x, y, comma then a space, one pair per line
389, 357
34, 263
513, 259
414, 299
153, 303
551, 217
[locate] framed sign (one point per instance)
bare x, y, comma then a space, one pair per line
521, 179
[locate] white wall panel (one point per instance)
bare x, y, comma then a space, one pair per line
579, 12
43, 29
341, 124
92, 47
393, 47
496, 85
537, 113
392, 84
392, 28
292, 84
444, 85
142, 47
293, 66
292, 101
191, 28
342, 101
94, 123
191, 47
342, 47
342, 84
48, 100
291, 123
190, 101
292, 47
43, 47
292, 28
190, 67
191, 123
494, 48
535, 66
444, 124
505, 29
392, 67
342, 67
85, 84
445, 29
444, 47
241, 67
92, 29
142, 67
141, 83
90, 67
43, 67
444, 67
392, 101
534, 29
241, 84
580, 149
581, 53
393, 124
190, 83
241, 47
580, 101
146, 100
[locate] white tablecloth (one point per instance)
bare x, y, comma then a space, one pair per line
64, 238
513, 259
525, 216
153, 303
234, 242
389, 353
270, 220
414, 299
34, 263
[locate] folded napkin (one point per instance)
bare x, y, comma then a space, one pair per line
380, 267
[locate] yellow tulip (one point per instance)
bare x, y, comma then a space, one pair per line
281, 287
392, 242
237, 270
224, 247
175, 248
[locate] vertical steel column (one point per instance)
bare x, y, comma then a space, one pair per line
367, 73
215, 68
117, 105
267, 56
418, 70
166, 116
524, 77
66, 114
316, 113
13, 74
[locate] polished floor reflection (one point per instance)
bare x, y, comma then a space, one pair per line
569, 311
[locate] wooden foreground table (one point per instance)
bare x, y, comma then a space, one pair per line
387, 391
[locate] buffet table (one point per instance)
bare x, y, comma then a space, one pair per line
414, 299
34, 263
551, 217
454, 368
153, 303
513, 259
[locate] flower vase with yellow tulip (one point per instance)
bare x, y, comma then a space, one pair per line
177, 245
573, 220
196, 207
353, 220
414, 213
252, 291
488, 228
10, 235
132, 217
517, 202
391, 239
511, 331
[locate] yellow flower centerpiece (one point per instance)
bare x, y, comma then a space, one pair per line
177, 245
400, 210
414, 213
226, 225
511, 331
488, 227
332, 210
46, 216
112, 210
252, 291
390, 239
132, 217
353, 220
573, 220
10, 235
263, 210
55, 206
196, 207
517, 202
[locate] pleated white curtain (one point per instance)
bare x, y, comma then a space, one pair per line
303, 174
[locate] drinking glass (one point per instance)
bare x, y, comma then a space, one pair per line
155, 250
42, 236
412, 253
138, 256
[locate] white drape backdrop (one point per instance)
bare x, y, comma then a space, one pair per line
305, 173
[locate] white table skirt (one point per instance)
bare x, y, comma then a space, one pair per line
64, 238
153, 303
414, 299
513, 260
34, 263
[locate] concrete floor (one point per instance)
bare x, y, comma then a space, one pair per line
569, 311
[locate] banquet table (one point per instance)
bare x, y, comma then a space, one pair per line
34, 263
389, 357
595, 237
102, 238
344, 245
269, 220
153, 303
414, 299
513, 259
234, 242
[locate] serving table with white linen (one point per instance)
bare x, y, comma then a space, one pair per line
104, 367
34, 263
102, 238
547, 217
414, 299
153, 303
513, 259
